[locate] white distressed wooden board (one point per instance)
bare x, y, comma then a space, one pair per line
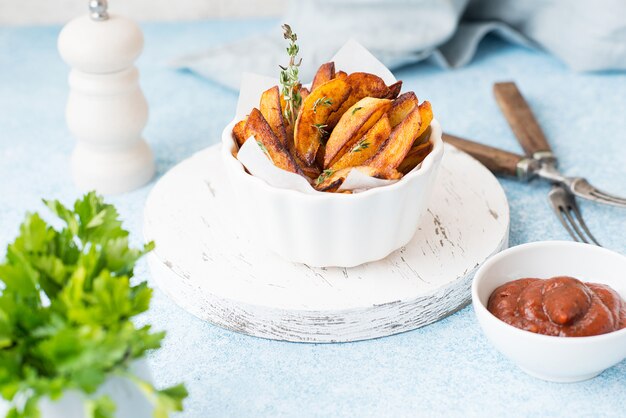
204, 262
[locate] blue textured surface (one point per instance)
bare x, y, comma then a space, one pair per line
446, 369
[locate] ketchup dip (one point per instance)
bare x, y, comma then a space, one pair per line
560, 306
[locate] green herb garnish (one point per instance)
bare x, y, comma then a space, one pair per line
260, 144
320, 129
66, 306
355, 109
324, 101
325, 174
361, 145
289, 82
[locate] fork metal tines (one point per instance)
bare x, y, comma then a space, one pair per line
568, 213
582, 188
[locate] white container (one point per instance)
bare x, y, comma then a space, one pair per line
129, 401
557, 359
332, 229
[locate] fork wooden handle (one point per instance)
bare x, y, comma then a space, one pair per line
496, 160
521, 119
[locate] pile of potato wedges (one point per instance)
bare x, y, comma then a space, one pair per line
345, 121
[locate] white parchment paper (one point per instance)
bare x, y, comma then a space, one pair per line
352, 57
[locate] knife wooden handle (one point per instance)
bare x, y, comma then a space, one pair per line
496, 160
520, 118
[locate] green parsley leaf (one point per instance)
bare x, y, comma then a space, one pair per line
66, 307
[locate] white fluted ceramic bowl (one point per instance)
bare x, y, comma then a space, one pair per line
332, 229
557, 359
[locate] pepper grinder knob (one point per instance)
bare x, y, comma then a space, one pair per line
106, 109
98, 10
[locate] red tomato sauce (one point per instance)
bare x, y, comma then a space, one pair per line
560, 306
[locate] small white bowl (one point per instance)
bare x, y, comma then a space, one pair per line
557, 359
332, 229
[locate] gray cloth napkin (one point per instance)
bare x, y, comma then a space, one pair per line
585, 35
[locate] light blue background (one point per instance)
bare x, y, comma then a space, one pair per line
446, 369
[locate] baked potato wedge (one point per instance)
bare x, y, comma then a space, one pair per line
401, 107
304, 92
310, 171
310, 129
341, 74
272, 112
400, 141
319, 157
330, 181
239, 131
325, 73
426, 115
354, 123
258, 127
415, 156
365, 147
425, 136
421, 145
394, 90
361, 85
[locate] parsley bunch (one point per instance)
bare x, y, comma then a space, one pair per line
66, 305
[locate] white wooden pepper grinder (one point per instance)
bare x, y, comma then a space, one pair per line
106, 110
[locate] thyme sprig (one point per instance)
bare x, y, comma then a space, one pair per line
361, 145
324, 101
355, 109
325, 174
320, 129
260, 144
289, 82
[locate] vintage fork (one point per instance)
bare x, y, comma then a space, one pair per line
530, 135
510, 164
567, 211
538, 162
